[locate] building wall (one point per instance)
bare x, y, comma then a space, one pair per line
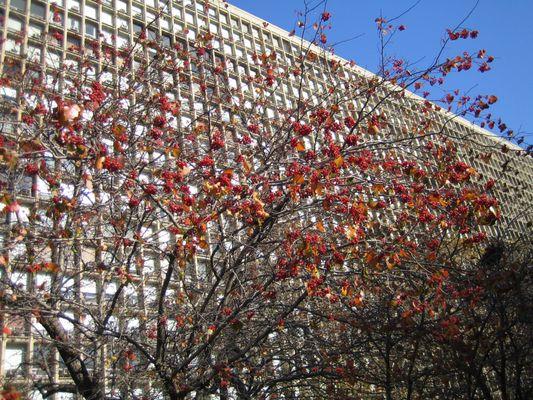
72, 25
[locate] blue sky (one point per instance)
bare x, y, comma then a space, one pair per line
505, 31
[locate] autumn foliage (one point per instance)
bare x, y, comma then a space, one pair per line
263, 248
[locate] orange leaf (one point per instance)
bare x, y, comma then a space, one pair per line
184, 171
339, 161
373, 129
311, 56
318, 189
378, 189
50, 266
470, 195
175, 152
99, 163
69, 113
118, 130
403, 254
320, 226
89, 182
373, 204
298, 179
300, 146
371, 258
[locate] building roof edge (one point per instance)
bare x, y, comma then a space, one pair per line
299, 40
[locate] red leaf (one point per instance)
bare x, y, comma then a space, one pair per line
452, 35
484, 67
12, 207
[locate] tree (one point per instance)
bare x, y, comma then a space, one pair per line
491, 351
463, 333
173, 229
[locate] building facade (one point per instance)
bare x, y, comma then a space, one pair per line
84, 37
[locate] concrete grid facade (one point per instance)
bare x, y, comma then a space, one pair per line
237, 36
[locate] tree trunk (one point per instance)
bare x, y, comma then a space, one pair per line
86, 385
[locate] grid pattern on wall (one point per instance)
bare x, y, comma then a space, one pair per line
52, 34
238, 36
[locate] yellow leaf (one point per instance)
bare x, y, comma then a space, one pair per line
247, 166
339, 161
351, 232
256, 198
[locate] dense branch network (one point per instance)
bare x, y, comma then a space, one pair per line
238, 244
